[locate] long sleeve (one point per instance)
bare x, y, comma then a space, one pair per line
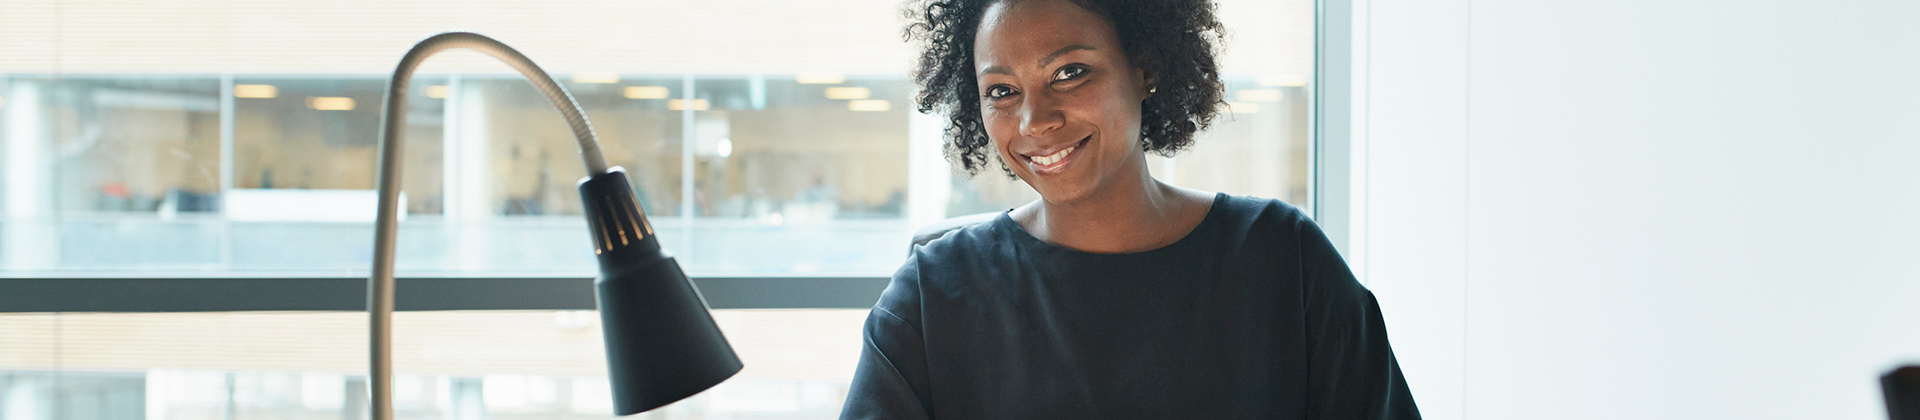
891, 381
1352, 373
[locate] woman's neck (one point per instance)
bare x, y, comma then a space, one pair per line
1121, 219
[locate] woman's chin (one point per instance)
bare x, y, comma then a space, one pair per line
1060, 192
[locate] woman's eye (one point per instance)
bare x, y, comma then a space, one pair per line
1069, 73
998, 91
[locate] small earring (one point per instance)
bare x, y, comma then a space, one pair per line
1153, 89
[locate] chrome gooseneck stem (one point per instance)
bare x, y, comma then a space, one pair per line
662, 343
392, 126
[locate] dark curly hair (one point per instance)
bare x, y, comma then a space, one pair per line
1173, 40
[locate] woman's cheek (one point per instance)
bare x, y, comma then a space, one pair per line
998, 125
998, 131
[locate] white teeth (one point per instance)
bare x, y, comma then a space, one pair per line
1055, 157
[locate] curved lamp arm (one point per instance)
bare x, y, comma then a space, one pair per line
662, 345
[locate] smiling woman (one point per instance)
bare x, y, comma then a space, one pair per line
1114, 294
1065, 112
1179, 38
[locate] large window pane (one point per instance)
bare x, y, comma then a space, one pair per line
98, 150
800, 174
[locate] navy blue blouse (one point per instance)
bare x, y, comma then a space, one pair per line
1251, 315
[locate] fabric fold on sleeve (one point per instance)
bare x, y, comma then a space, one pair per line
891, 380
1352, 373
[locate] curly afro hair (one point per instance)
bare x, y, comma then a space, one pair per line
1173, 40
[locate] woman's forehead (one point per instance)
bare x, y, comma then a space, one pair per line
1031, 31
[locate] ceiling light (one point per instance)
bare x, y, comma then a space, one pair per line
330, 103
1260, 95
848, 93
596, 78
437, 91
1242, 107
647, 92
256, 91
1284, 80
820, 78
681, 104
870, 105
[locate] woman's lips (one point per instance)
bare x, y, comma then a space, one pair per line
1058, 161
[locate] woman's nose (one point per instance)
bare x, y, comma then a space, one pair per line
1042, 115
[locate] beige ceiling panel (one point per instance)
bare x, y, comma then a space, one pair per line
632, 37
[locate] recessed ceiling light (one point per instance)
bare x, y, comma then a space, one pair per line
647, 92
256, 91
330, 103
596, 78
681, 104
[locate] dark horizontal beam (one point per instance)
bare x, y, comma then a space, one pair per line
411, 294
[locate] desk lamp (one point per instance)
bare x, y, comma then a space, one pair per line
662, 344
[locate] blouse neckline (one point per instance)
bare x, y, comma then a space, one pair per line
1214, 212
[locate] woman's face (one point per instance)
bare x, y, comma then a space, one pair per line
1059, 98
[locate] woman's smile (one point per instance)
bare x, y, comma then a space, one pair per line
1054, 161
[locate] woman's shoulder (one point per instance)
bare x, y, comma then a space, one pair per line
1257, 217
1258, 206
966, 245
936, 267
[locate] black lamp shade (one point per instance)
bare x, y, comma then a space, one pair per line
1902, 387
662, 344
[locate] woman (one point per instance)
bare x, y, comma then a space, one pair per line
1114, 295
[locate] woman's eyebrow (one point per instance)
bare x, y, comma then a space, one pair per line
1057, 53
1043, 61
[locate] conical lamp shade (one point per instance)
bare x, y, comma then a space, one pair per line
1902, 387
662, 344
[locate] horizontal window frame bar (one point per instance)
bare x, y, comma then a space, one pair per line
212, 294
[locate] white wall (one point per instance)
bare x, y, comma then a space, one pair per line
1635, 209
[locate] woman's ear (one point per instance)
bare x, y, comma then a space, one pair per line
1142, 73
1147, 80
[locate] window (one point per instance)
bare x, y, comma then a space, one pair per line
769, 141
